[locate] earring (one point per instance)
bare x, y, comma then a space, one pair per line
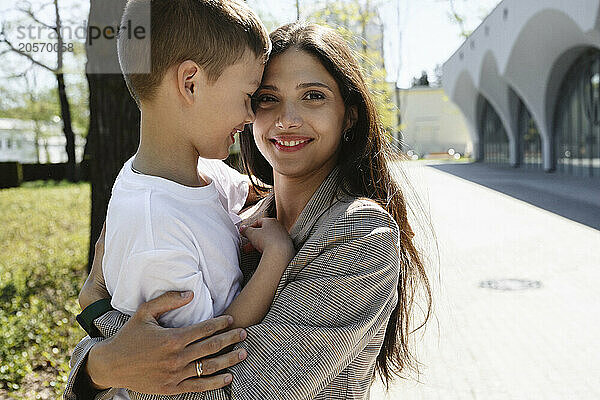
348, 135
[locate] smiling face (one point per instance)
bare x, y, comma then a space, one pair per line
300, 115
224, 107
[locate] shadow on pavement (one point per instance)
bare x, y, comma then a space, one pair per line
572, 197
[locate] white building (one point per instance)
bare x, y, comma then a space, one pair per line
18, 142
431, 123
528, 83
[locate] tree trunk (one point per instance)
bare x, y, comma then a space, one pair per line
364, 20
114, 138
114, 129
37, 141
65, 112
399, 139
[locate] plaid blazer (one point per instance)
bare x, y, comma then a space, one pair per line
323, 332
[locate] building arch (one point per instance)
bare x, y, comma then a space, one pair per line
540, 43
495, 90
529, 139
493, 138
577, 117
549, 32
465, 95
552, 96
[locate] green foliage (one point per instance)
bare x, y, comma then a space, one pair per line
44, 233
358, 22
42, 104
34, 104
78, 91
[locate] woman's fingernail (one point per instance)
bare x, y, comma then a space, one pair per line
243, 335
242, 354
228, 379
229, 319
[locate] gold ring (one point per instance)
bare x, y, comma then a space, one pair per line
198, 368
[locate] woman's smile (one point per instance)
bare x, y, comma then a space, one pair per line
290, 143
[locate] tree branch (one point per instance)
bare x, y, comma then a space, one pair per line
3, 39
31, 15
59, 38
460, 20
22, 74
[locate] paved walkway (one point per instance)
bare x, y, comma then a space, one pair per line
576, 198
538, 343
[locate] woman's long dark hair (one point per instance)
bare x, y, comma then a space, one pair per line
365, 172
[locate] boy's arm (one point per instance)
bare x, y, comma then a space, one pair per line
94, 288
252, 304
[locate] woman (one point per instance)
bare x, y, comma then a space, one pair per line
343, 308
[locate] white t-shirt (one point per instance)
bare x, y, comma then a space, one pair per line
163, 236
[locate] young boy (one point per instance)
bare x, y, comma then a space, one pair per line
171, 219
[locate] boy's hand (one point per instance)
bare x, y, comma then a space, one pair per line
268, 235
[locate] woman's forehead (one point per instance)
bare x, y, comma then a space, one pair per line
295, 67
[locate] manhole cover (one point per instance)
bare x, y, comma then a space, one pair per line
510, 284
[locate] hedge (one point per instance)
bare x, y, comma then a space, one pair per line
11, 174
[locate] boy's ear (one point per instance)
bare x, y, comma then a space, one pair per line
351, 117
189, 80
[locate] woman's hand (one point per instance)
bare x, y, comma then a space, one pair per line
147, 358
94, 288
268, 235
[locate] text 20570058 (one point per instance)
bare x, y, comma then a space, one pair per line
45, 47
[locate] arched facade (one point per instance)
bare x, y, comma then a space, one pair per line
577, 125
530, 141
525, 58
494, 137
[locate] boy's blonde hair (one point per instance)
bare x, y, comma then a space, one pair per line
213, 33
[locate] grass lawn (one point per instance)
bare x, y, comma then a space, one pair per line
44, 233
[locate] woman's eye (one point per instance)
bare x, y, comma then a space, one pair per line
314, 96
